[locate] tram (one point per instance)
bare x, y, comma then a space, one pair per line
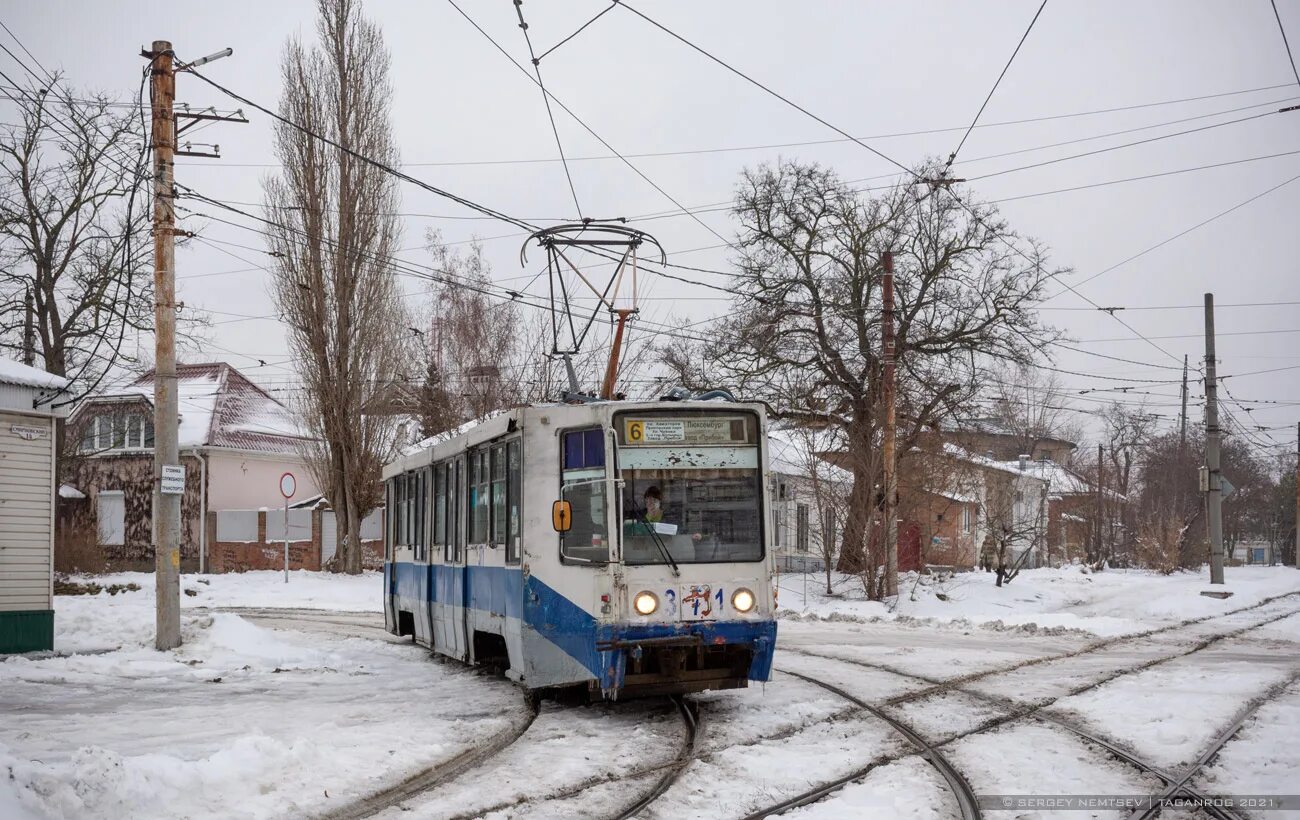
620, 546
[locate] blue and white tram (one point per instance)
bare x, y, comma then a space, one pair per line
620, 546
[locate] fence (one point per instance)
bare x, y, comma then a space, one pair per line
242, 540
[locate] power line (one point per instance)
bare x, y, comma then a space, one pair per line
1023, 37
804, 143
584, 125
388, 169
1180, 234
1143, 177
546, 98
1285, 41
1129, 144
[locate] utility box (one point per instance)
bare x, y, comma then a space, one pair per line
28, 429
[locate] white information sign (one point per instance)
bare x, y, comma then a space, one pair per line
173, 479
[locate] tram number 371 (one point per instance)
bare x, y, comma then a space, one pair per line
695, 603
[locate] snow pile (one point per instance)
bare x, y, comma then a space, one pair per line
1039, 601
242, 720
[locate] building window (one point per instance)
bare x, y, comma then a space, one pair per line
967, 519
130, 431
801, 527
110, 514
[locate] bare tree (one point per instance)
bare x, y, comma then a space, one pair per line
334, 235
73, 231
1030, 404
804, 328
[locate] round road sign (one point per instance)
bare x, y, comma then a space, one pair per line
288, 485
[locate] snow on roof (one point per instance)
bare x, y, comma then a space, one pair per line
794, 452
12, 372
219, 407
69, 491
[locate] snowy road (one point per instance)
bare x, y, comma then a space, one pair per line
279, 705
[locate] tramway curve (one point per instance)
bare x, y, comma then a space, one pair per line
1174, 784
967, 803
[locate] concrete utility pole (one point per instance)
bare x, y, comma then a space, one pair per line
1182, 417
1295, 557
1213, 493
890, 478
1101, 481
167, 506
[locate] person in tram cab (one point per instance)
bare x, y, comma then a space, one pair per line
652, 502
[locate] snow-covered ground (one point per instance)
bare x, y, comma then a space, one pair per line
299, 714
1106, 603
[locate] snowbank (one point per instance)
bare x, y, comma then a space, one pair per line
240, 721
1107, 603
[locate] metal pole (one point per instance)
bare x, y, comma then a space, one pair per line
890, 479
167, 550
286, 540
1214, 494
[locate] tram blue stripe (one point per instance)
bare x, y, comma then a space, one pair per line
503, 591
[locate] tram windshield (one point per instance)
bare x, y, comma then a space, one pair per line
691, 489
698, 516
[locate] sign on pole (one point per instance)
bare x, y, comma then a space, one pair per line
173, 479
288, 486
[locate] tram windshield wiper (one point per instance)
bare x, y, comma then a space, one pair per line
663, 550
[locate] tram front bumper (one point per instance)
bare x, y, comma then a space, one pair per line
670, 658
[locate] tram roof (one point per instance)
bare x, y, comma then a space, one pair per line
479, 431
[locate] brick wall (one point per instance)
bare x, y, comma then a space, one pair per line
264, 553
242, 556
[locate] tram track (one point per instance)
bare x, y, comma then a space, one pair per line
691, 719
1175, 785
434, 776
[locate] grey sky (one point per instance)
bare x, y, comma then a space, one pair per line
871, 68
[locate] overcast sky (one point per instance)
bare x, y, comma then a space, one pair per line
461, 111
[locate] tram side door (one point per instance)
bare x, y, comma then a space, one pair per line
458, 636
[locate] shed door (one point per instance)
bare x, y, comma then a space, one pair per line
111, 517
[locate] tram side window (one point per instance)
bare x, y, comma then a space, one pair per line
514, 491
388, 520
399, 510
455, 506
440, 505
583, 486
421, 509
480, 479
499, 495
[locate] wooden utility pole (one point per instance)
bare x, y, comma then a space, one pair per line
1213, 492
167, 506
890, 433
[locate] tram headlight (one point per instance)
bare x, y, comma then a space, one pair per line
645, 603
742, 600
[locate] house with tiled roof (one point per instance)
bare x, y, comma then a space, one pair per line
236, 440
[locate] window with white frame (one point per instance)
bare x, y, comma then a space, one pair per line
967, 518
118, 431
